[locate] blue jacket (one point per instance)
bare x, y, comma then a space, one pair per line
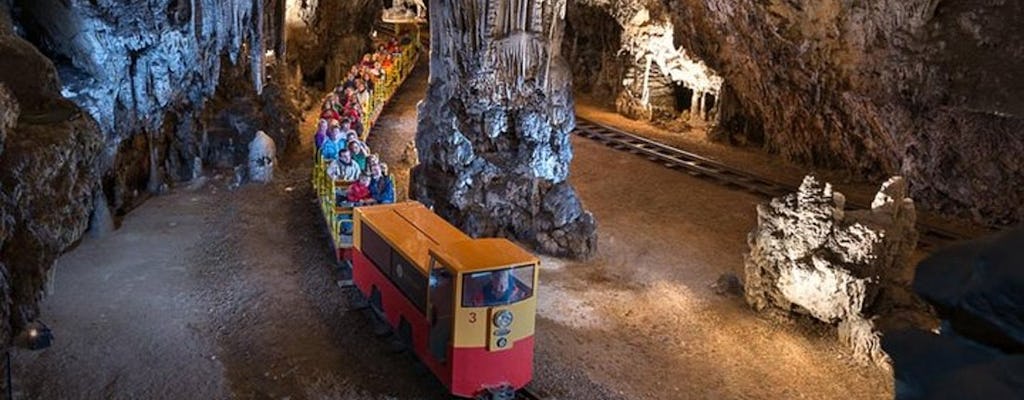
382, 190
330, 148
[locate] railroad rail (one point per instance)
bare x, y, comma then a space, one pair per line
931, 237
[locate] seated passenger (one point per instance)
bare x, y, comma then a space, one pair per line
346, 128
334, 143
500, 288
359, 191
329, 112
343, 168
362, 94
382, 189
358, 150
321, 133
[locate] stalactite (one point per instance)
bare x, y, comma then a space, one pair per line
256, 47
645, 96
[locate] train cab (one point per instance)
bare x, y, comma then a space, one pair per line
465, 306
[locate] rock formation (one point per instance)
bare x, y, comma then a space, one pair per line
262, 158
49, 170
655, 65
808, 255
493, 133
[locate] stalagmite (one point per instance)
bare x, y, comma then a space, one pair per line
493, 130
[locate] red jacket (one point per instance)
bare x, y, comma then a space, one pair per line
357, 192
330, 114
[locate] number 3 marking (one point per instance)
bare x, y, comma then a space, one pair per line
472, 317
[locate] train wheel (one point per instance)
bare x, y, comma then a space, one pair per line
380, 325
403, 337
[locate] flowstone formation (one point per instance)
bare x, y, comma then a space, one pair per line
809, 256
493, 133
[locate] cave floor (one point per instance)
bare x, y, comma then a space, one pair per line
213, 293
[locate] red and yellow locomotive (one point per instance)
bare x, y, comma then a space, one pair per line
465, 306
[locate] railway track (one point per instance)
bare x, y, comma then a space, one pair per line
931, 237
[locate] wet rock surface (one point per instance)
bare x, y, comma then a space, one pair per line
809, 256
493, 134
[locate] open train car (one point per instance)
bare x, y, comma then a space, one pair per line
466, 307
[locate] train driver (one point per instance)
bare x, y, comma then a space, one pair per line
500, 289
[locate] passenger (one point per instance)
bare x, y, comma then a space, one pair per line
329, 113
321, 133
499, 289
381, 187
333, 145
362, 94
358, 150
343, 168
346, 128
359, 191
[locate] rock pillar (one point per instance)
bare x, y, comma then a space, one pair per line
493, 133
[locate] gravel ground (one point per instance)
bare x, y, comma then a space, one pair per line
213, 293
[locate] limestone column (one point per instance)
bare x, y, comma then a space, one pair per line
493, 134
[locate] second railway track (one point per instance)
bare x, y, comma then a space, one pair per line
931, 236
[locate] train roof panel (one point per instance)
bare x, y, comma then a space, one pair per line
411, 229
484, 254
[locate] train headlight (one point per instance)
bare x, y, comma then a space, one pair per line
503, 319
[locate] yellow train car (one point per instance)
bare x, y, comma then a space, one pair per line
465, 306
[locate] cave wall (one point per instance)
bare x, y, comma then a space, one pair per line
925, 89
329, 36
144, 70
105, 101
493, 133
49, 169
592, 48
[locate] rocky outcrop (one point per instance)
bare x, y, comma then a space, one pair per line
924, 89
493, 133
262, 158
49, 171
809, 256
